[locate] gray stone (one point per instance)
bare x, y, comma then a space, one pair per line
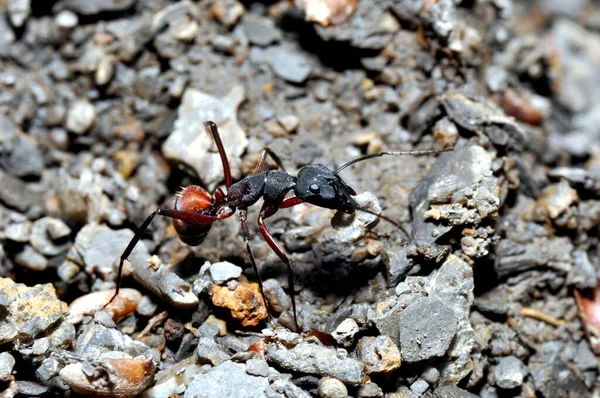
257, 367
332, 388
419, 386
353, 227
509, 373
80, 117
45, 233
210, 352
7, 362
291, 66
452, 392
191, 144
66, 19
31, 259
427, 328
260, 31
229, 379
18, 11
18, 232
583, 274
224, 271
24, 159
92, 7
315, 359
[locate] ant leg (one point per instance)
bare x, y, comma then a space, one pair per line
291, 201
266, 211
246, 233
192, 218
263, 157
212, 128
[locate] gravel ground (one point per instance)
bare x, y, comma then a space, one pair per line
496, 293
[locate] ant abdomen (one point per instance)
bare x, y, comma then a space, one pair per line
193, 199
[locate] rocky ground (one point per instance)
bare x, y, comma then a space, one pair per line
495, 294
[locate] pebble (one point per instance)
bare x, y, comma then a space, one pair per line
419, 386
66, 19
45, 233
18, 232
260, 31
291, 66
210, 352
370, 390
257, 367
379, 354
228, 12
32, 310
25, 158
224, 271
227, 380
314, 359
80, 117
190, 143
509, 373
332, 388
353, 227
245, 303
277, 297
146, 307
427, 328
7, 362
93, 7
345, 332
31, 259
18, 11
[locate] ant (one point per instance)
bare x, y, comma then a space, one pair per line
196, 210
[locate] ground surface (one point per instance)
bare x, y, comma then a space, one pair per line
495, 294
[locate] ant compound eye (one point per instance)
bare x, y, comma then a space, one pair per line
314, 188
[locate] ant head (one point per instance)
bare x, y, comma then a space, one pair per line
320, 186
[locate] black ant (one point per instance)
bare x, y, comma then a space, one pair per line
196, 210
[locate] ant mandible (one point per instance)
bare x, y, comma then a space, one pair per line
196, 210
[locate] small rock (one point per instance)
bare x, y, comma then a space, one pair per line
18, 11
210, 352
146, 307
260, 31
332, 388
224, 271
379, 354
190, 143
290, 66
8, 332
121, 306
245, 302
228, 379
315, 359
31, 259
370, 390
277, 297
7, 362
427, 328
45, 233
353, 227
66, 19
18, 232
419, 386
228, 12
257, 367
25, 158
509, 373
452, 392
80, 117
93, 7
345, 332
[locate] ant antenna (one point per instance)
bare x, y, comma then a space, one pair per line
395, 153
386, 218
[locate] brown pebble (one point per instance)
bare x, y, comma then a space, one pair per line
124, 304
124, 377
245, 302
518, 106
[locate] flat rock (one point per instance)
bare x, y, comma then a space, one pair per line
314, 359
229, 379
92, 7
427, 328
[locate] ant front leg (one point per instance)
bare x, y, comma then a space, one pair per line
186, 216
266, 211
246, 233
214, 131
